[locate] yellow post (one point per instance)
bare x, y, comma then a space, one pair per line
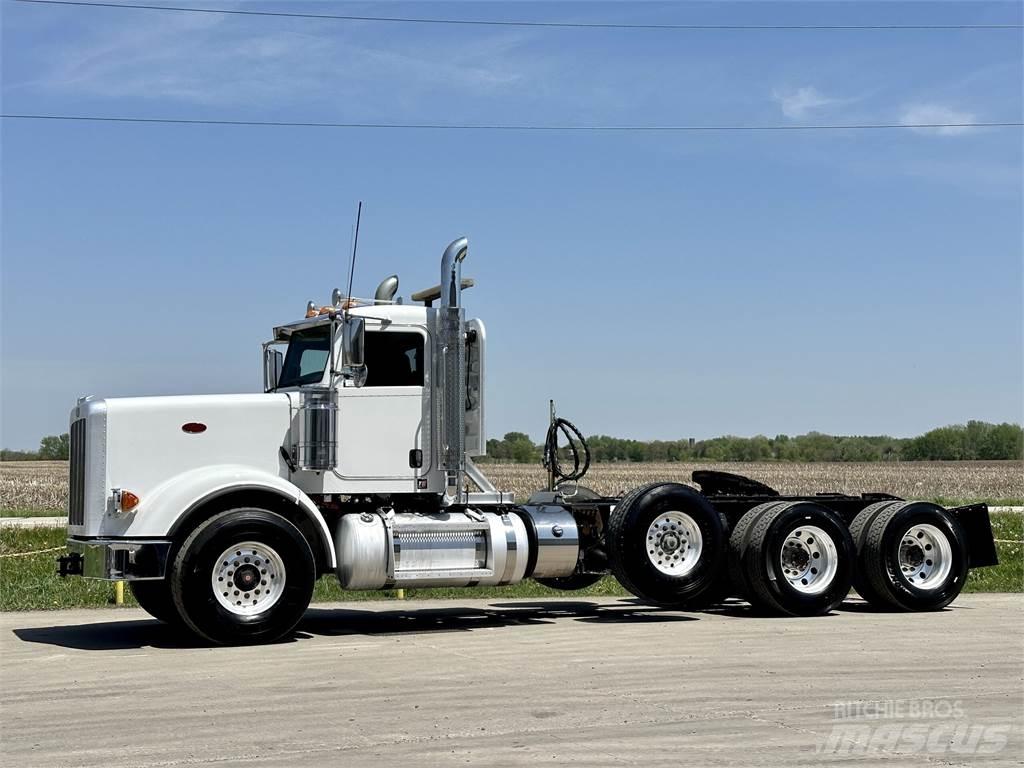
400, 593
118, 593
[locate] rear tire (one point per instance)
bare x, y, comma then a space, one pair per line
155, 599
739, 540
243, 576
666, 544
798, 560
859, 532
915, 557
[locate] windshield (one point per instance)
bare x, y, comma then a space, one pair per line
306, 358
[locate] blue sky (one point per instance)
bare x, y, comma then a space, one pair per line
656, 285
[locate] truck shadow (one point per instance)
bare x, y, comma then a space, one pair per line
109, 636
335, 622
345, 621
857, 605
737, 608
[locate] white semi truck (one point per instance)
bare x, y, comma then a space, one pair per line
221, 511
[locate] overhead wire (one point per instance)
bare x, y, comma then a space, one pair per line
512, 126
524, 23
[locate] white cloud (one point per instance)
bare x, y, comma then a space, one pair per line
798, 103
208, 62
937, 114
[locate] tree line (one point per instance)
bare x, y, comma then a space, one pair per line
51, 448
976, 440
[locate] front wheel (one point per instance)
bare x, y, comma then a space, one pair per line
243, 576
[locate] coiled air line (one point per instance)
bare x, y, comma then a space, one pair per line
578, 448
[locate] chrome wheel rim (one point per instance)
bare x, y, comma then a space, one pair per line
674, 543
248, 578
809, 559
925, 557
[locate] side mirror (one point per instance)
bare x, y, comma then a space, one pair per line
353, 347
273, 363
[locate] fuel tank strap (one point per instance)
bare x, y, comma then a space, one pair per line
511, 549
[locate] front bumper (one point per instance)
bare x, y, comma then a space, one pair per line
115, 559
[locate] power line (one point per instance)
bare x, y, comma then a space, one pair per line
548, 24
510, 126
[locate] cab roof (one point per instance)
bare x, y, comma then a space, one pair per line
394, 313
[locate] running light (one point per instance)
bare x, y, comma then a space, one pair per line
125, 501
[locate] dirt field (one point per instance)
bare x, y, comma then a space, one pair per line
42, 485
981, 480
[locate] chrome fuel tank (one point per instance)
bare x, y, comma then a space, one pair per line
457, 548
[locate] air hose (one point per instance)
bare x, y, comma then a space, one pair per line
578, 448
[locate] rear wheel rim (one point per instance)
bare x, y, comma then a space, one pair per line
925, 557
248, 578
674, 543
809, 560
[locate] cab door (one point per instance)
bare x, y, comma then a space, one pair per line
383, 426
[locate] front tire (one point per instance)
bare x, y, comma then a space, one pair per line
666, 545
243, 576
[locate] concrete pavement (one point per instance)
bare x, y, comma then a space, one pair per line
591, 682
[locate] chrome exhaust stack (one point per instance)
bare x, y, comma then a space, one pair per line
386, 291
450, 362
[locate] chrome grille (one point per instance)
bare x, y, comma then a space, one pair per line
76, 484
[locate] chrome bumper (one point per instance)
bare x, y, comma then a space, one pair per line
115, 559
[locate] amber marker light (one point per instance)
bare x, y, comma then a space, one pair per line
126, 500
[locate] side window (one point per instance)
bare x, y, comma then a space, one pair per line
394, 359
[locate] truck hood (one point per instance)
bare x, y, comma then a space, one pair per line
138, 443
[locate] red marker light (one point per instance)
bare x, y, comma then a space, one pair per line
193, 428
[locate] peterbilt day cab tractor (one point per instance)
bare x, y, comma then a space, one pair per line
221, 511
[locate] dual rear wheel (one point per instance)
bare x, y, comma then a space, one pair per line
912, 556
794, 558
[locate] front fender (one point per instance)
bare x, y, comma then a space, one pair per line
164, 507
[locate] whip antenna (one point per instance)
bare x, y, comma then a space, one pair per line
352, 263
